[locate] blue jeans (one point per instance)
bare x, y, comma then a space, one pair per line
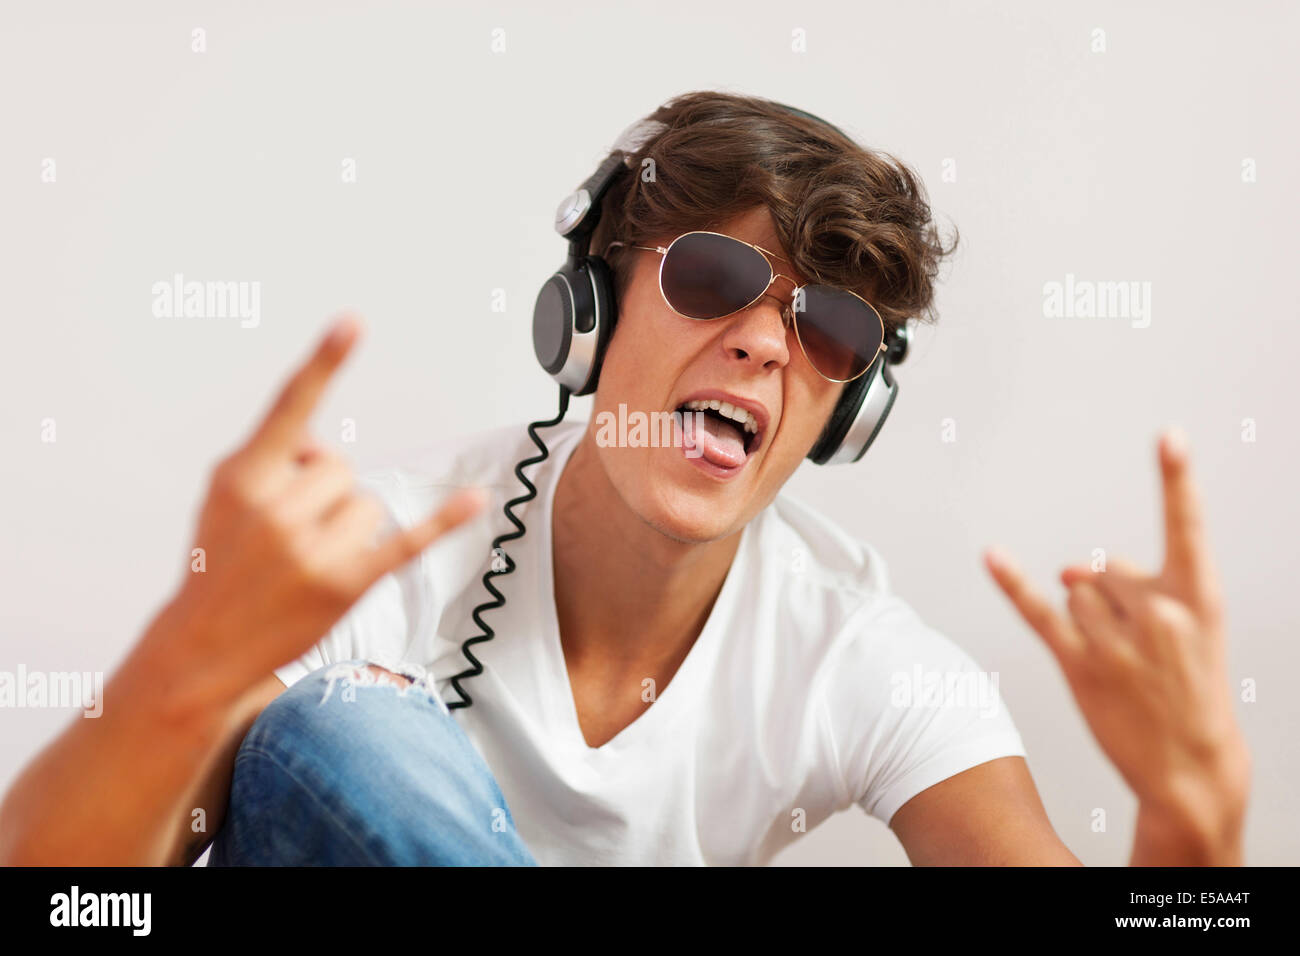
341, 770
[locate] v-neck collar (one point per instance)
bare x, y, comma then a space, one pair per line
669, 700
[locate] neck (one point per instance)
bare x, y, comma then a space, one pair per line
629, 598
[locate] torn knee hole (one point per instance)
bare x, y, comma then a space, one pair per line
384, 676
363, 673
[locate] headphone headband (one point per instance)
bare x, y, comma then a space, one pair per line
579, 212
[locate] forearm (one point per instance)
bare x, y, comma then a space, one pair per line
110, 790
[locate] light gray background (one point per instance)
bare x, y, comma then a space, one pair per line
1123, 165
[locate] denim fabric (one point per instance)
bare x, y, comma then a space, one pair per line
340, 770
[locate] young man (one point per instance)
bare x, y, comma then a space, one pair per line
689, 667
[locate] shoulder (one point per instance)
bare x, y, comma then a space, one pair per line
847, 580
872, 659
823, 581
902, 705
825, 550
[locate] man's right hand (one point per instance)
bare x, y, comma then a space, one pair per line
288, 541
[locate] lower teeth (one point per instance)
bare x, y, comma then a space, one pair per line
746, 437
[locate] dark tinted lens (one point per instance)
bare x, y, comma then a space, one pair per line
839, 332
707, 276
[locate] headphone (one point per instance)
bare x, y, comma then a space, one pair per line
575, 314
573, 318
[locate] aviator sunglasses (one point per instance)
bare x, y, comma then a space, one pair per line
706, 275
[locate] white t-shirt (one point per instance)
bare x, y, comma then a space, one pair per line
811, 688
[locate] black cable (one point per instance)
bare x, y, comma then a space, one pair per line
488, 634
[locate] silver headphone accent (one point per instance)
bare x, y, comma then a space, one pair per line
868, 420
581, 360
572, 211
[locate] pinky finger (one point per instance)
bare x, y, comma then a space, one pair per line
356, 518
402, 546
1059, 635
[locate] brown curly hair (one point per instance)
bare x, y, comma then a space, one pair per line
849, 216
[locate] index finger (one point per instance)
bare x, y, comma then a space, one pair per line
1186, 551
297, 400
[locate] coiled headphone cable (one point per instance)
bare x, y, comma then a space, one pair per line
487, 634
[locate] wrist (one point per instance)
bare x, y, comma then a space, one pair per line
1187, 839
1200, 820
177, 671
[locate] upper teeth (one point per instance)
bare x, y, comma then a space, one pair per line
734, 412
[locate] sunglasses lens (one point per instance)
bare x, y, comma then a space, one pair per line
840, 333
707, 276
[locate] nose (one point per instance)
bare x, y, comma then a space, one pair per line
760, 333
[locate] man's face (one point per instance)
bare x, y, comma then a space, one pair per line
657, 360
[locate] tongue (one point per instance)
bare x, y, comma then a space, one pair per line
722, 443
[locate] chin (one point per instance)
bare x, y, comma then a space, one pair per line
688, 532
688, 517
675, 501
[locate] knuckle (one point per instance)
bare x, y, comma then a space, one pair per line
232, 485
1166, 614
1120, 659
238, 479
1123, 567
1078, 601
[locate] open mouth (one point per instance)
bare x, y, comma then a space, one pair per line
728, 434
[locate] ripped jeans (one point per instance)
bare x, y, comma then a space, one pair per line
345, 768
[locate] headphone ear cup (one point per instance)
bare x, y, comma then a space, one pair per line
573, 317
858, 416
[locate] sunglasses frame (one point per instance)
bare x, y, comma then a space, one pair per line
785, 307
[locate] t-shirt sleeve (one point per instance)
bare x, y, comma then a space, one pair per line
908, 708
379, 626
